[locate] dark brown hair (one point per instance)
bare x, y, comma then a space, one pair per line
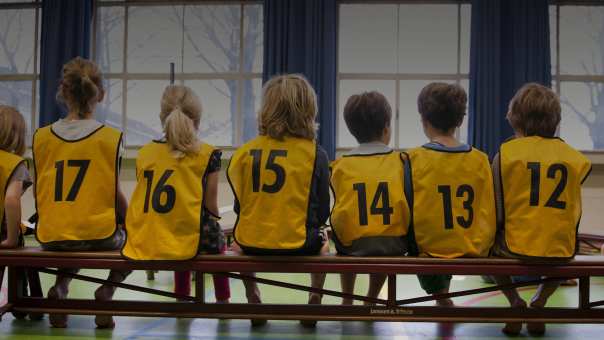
366, 115
81, 86
535, 111
442, 105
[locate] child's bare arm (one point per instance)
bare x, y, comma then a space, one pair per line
211, 194
12, 208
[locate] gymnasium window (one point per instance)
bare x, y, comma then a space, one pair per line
19, 57
398, 48
217, 50
577, 45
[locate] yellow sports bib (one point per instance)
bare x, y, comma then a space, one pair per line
8, 164
76, 185
164, 216
541, 183
271, 180
453, 202
369, 197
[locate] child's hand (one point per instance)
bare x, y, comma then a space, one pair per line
7, 244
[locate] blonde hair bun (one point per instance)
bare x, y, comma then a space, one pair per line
180, 116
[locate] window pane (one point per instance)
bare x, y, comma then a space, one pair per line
252, 92
110, 110
17, 41
582, 123
367, 38
154, 38
18, 95
427, 39
351, 87
110, 39
253, 38
552, 37
581, 40
463, 129
143, 108
219, 102
212, 38
466, 24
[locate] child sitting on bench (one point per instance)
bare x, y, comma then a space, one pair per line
78, 199
370, 216
538, 181
14, 176
280, 180
450, 188
184, 171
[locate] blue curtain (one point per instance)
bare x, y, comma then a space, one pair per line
66, 30
300, 36
510, 46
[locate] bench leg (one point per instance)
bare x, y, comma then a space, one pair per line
17, 288
200, 288
2, 269
391, 290
584, 292
35, 289
6, 307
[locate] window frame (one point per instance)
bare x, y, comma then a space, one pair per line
397, 77
179, 76
33, 77
559, 78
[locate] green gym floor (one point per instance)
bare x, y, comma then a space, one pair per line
82, 327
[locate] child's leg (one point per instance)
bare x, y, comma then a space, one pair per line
35, 290
511, 328
376, 282
105, 293
318, 279
222, 290
436, 284
251, 288
347, 280
182, 283
57, 292
544, 291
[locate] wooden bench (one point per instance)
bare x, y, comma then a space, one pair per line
390, 309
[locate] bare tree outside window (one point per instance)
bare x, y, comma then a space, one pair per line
17, 78
579, 76
214, 53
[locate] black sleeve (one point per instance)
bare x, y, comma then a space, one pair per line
215, 163
321, 186
236, 205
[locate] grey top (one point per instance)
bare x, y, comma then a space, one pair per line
21, 174
369, 149
77, 129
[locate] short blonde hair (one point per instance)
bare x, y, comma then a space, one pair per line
535, 111
12, 130
289, 108
180, 116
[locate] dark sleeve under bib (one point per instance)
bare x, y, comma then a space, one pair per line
318, 207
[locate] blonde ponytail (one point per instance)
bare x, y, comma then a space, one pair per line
180, 116
181, 134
